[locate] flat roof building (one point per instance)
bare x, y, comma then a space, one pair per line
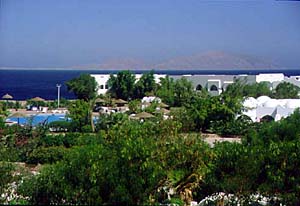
214, 84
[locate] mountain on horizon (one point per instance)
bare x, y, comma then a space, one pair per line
206, 60
117, 63
217, 60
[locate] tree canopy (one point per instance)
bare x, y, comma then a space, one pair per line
166, 90
183, 91
84, 87
145, 85
286, 90
175, 93
122, 85
241, 89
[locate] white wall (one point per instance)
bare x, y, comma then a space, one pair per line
274, 77
101, 80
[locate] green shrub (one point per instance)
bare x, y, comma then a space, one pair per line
52, 140
45, 155
86, 129
74, 139
88, 139
6, 177
124, 168
2, 123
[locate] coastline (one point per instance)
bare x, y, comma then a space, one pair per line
24, 83
145, 69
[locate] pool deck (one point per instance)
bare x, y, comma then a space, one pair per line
54, 111
30, 112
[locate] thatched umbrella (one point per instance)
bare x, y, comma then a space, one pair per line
99, 100
163, 105
120, 101
162, 111
7, 96
143, 115
37, 99
18, 115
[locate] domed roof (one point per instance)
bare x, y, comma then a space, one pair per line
262, 99
293, 103
250, 102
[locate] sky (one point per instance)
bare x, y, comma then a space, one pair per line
64, 33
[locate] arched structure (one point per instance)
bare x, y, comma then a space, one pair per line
267, 118
199, 87
213, 88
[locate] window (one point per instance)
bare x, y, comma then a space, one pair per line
213, 88
199, 87
267, 118
106, 86
101, 86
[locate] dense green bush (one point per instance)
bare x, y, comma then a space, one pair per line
45, 155
235, 169
80, 114
52, 140
239, 126
89, 139
125, 168
106, 121
2, 124
266, 163
6, 176
70, 139
286, 90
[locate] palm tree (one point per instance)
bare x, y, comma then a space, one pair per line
92, 104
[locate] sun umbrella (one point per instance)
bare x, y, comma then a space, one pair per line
163, 105
99, 100
162, 111
120, 101
18, 115
37, 99
7, 96
143, 115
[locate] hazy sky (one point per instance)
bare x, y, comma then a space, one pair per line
61, 33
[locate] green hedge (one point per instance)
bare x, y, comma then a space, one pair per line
45, 155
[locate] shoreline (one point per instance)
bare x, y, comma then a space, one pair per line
147, 69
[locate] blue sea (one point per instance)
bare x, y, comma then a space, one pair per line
26, 84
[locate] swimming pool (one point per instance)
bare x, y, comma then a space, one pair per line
37, 119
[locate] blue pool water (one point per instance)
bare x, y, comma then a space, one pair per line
38, 119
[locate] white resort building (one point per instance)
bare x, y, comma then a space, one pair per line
264, 106
214, 84
256, 109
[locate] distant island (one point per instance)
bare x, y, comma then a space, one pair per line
206, 60
213, 60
